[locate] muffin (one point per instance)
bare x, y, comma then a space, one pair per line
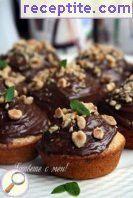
21, 126
12, 78
31, 56
105, 63
86, 144
120, 105
67, 83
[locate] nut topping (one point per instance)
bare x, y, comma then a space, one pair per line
98, 133
81, 122
92, 108
109, 119
53, 128
28, 100
62, 83
58, 113
110, 86
79, 138
15, 114
66, 122
2, 99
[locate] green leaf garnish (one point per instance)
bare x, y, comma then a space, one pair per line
72, 188
58, 189
3, 64
63, 63
79, 108
9, 95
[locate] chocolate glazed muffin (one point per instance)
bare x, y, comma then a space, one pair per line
21, 127
31, 56
89, 145
71, 82
105, 63
11, 78
120, 105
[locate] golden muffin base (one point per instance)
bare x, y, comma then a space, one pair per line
87, 167
19, 150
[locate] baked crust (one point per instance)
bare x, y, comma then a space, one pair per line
86, 167
19, 150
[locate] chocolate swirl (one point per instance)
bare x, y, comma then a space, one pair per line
60, 141
30, 57
120, 104
78, 85
104, 62
32, 122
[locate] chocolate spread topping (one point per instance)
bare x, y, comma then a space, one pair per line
32, 122
120, 104
64, 86
104, 62
60, 141
29, 57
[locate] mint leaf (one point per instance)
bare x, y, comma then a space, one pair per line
3, 64
58, 189
72, 188
63, 63
79, 108
9, 95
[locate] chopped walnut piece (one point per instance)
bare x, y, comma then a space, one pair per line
98, 133
117, 106
15, 93
91, 107
79, 138
62, 82
81, 122
110, 86
112, 60
5, 72
58, 113
36, 62
112, 103
66, 122
110, 120
39, 84
28, 100
2, 99
53, 128
15, 114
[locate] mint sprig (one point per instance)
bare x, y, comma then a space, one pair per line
79, 108
72, 188
9, 94
3, 64
63, 63
58, 189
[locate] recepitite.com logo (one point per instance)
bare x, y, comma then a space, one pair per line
76, 9
14, 183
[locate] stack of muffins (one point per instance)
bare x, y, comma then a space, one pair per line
45, 100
